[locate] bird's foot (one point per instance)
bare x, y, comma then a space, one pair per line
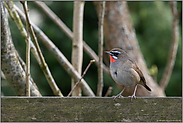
133, 96
119, 96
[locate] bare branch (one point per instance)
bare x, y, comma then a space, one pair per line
174, 46
10, 64
2, 75
91, 61
69, 33
15, 17
77, 43
108, 92
27, 53
44, 66
119, 32
58, 55
100, 49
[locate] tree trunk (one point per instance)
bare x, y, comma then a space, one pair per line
10, 64
119, 32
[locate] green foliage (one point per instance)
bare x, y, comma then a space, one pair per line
152, 22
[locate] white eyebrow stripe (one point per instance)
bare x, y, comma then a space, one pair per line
116, 52
114, 57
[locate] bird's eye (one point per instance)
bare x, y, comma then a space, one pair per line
116, 53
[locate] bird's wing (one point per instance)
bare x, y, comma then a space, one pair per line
143, 81
136, 68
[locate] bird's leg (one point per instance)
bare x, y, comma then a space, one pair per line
133, 96
119, 95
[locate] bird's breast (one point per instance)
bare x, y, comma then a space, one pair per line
125, 75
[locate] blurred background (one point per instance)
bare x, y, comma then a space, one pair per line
152, 22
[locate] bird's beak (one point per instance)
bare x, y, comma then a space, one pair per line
108, 52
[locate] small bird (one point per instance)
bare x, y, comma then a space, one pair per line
124, 71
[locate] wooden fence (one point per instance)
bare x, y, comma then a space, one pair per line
73, 109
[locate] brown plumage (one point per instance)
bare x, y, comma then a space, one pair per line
125, 71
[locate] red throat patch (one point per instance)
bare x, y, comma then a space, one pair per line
112, 59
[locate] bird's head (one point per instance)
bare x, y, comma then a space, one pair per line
116, 54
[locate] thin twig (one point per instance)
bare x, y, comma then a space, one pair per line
58, 55
174, 46
100, 50
108, 92
91, 61
34, 37
16, 18
69, 33
2, 75
44, 66
27, 54
10, 64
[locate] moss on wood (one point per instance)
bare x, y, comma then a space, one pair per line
57, 109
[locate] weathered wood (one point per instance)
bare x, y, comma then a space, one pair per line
61, 109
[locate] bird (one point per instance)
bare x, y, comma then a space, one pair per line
125, 71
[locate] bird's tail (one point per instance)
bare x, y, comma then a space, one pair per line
147, 87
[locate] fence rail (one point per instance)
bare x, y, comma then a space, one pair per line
73, 109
